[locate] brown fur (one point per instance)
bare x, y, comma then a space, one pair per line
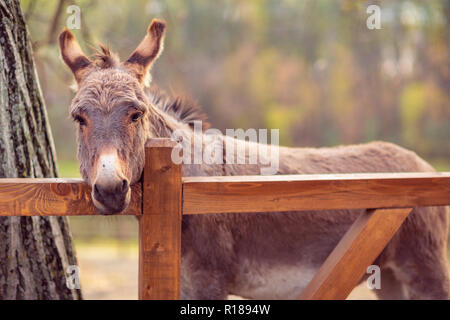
264, 255
147, 52
73, 56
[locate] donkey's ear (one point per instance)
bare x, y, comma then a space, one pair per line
73, 56
148, 51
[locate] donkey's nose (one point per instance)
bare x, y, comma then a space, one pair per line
112, 196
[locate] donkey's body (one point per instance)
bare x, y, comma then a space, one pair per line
275, 255
263, 255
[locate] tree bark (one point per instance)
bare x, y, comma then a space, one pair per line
34, 251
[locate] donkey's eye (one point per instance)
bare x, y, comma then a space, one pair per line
136, 116
80, 120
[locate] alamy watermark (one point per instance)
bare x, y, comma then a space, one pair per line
73, 277
235, 147
374, 20
374, 280
74, 20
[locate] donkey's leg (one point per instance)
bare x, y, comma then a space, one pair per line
206, 258
391, 287
426, 275
415, 282
418, 260
200, 283
431, 282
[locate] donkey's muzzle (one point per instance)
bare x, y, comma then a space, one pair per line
113, 198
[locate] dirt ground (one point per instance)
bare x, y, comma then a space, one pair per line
108, 270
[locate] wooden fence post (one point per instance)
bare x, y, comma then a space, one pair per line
160, 224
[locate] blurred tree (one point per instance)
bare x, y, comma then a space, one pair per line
34, 251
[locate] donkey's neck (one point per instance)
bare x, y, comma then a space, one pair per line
168, 114
164, 125
204, 154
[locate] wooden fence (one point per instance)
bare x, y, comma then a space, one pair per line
165, 195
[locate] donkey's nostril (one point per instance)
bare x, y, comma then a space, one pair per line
125, 186
96, 191
122, 187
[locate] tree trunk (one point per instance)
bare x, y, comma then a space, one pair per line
34, 251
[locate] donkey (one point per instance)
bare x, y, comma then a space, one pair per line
256, 256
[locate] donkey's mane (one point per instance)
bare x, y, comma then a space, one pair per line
103, 58
184, 109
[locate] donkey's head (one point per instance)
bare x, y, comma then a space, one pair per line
112, 112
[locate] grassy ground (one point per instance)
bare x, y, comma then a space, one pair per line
68, 169
441, 164
108, 269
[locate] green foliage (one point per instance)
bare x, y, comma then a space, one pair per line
68, 169
413, 105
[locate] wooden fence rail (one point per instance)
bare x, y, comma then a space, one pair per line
314, 192
164, 196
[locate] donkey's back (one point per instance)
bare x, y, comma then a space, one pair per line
275, 255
